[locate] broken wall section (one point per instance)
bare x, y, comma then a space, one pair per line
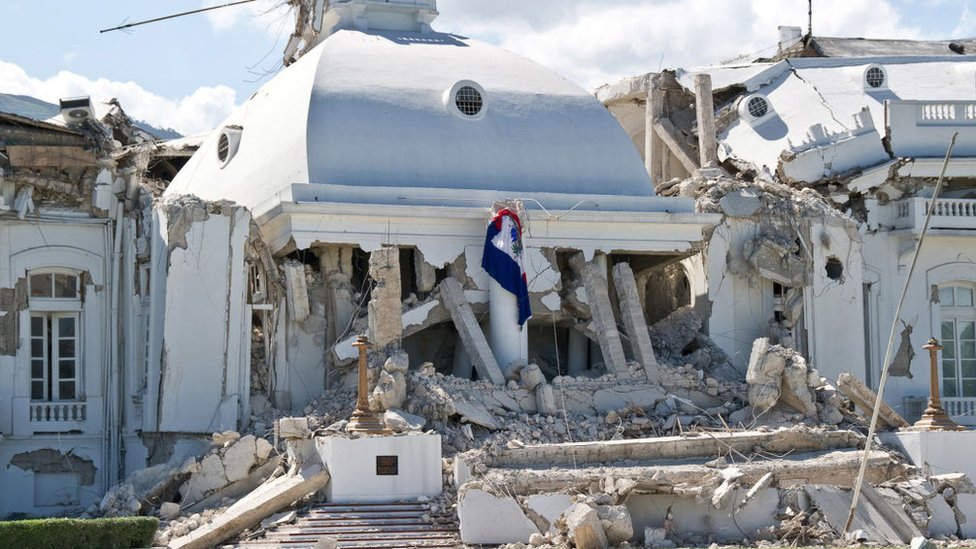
204, 360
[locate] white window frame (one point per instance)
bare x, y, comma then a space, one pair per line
52, 310
952, 360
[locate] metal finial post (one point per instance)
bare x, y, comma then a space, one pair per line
935, 417
363, 419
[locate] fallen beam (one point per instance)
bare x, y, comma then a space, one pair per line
864, 398
838, 468
665, 130
702, 445
266, 500
469, 330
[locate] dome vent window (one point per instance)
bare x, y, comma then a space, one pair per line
875, 78
755, 109
758, 107
466, 100
227, 144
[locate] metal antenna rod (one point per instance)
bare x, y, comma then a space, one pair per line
885, 366
136, 24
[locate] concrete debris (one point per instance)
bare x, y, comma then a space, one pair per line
633, 319
583, 527
470, 332
385, 326
401, 422
778, 374
598, 296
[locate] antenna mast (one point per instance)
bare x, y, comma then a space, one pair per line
810, 18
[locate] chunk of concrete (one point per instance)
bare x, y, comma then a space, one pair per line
583, 527
477, 414
210, 477
741, 203
169, 510
545, 399
491, 520
239, 458
296, 290
795, 391
390, 391
266, 500
764, 375
399, 421
262, 449
531, 376
293, 427
966, 503
883, 523
616, 523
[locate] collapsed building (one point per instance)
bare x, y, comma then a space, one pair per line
678, 304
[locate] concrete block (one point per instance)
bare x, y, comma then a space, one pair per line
545, 399
691, 517
210, 477
296, 290
476, 413
384, 309
942, 520
741, 203
399, 421
532, 376
616, 523
490, 520
293, 427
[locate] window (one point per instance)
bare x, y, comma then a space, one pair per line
959, 341
55, 336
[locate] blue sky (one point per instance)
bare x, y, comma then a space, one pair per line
188, 73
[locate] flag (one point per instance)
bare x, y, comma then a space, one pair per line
503, 258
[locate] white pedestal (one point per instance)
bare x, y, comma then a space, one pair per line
937, 452
377, 468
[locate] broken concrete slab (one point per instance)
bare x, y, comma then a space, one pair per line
475, 504
549, 507
598, 295
764, 376
966, 503
399, 421
688, 516
740, 203
632, 313
617, 524
263, 502
296, 290
292, 427
239, 458
470, 332
864, 398
476, 414
883, 523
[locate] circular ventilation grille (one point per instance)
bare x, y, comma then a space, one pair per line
875, 77
223, 147
468, 100
758, 107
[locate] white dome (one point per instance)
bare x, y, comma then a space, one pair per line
373, 109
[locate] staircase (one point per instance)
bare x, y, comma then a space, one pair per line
361, 526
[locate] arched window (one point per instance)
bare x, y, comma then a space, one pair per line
55, 300
958, 339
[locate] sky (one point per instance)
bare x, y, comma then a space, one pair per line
189, 73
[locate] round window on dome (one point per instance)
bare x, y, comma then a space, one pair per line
875, 77
758, 107
466, 99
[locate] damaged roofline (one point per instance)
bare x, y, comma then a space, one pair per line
369, 226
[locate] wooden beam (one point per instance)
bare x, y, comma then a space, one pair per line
666, 131
44, 156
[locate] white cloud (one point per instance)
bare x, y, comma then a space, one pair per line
594, 41
271, 16
202, 110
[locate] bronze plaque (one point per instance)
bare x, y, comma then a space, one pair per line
387, 465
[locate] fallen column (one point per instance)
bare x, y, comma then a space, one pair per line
472, 337
606, 325
864, 398
633, 317
263, 502
385, 326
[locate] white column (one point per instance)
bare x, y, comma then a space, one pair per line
508, 340
579, 352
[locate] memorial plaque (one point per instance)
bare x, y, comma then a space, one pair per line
387, 465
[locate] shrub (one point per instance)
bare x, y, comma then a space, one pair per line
63, 533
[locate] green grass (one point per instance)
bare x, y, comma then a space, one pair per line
64, 533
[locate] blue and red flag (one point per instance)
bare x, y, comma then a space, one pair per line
503, 258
